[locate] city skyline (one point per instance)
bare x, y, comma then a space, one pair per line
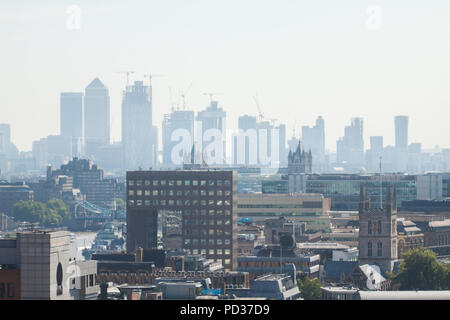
339, 73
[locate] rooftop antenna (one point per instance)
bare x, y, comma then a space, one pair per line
381, 186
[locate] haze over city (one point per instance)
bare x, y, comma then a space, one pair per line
301, 58
226, 152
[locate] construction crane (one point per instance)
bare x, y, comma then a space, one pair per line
260, 113
183, 95
211, 94
172, 108
151, 76
128, 74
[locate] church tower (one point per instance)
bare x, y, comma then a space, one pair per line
378, 231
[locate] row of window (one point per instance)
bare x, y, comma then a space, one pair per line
218, 242
203, 212
211, 232
204, 222
179, 203
179, 182
220, 252
7, 290
179, 193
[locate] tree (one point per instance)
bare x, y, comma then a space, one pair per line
310, 288
120, 204
52, 212
60, 208
420, 270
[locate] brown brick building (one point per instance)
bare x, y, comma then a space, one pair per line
200, 204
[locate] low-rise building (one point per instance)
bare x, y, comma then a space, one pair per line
299, 207
271, 286
10, 193
437, 233
39, 265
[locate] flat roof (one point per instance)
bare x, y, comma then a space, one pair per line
405, 295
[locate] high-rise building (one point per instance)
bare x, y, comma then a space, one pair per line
401, 132
245, 144
90, 180
182, 120
201, 204
71, 118
254, 144
350, 148
213, 118
53, 150
401, 143
378, 232
96, 115
138, 135
374, 153
314, 140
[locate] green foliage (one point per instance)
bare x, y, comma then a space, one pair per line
120, 204
52, 212
310, 288
420, 270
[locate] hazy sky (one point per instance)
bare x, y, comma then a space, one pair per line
303, 58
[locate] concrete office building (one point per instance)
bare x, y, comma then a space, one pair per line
96, 116
202, 201
310, 208
71, 119
45, 267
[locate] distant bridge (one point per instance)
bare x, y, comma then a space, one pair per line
95, 212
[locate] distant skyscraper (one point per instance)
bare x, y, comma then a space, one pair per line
350, 148
254, 143
71, 116
96, 113
374, 153
213, 118
178, 119
248, 139
314, 140
401, 132
138, 136
401, 143
7, 148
